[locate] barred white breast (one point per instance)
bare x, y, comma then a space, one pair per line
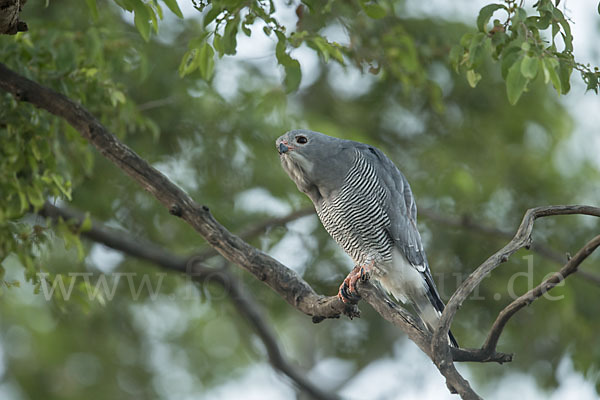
355, 216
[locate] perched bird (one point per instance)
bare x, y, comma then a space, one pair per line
365, 203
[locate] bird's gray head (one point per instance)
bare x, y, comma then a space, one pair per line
317, 163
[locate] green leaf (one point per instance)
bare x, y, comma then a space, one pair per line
174, 7
206, 61
280, 47
229, 39
142, 19
159, 11
567, 37
565, 69
515, 83
93, 8
336, 53
485, 14
473, 78
217, 44
188, 62
550, 71
116, 97
519, 16
211, 14
293, 75
35, 197
477, 49
23, 201
153, 19
529, 67
466, 39
456, 54
325, 49
509, 56
373, 10
64, 188
86, 225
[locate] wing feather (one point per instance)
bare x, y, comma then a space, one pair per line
400, 207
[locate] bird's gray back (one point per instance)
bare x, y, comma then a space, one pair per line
355, 215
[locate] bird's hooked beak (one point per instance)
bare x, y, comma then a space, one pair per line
283, 148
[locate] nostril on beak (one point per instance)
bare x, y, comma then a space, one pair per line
282, 148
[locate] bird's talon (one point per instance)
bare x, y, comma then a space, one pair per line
346, 294
364, 274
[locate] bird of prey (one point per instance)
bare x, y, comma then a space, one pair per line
365, 203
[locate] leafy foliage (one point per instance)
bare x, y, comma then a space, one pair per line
522, 45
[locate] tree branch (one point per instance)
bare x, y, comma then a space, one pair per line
529, 297
442, 356
9, 17
243, 301
255, 230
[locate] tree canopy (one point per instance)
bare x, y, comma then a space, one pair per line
470, 113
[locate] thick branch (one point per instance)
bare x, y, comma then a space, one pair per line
286, 282
533, 294
254, 230
242, 300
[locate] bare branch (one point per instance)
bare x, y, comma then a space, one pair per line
441, 353
535, 293
243, 301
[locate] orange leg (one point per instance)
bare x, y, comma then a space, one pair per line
348, 292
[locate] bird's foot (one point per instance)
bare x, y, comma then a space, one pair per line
348, 293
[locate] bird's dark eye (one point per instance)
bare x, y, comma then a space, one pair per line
301, 139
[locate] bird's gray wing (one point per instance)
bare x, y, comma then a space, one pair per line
400, 207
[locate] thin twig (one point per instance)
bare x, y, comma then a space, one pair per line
529, 297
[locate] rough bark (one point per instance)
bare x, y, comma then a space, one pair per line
9, 17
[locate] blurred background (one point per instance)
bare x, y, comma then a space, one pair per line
473, 161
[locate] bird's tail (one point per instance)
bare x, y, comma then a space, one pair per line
430, 315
